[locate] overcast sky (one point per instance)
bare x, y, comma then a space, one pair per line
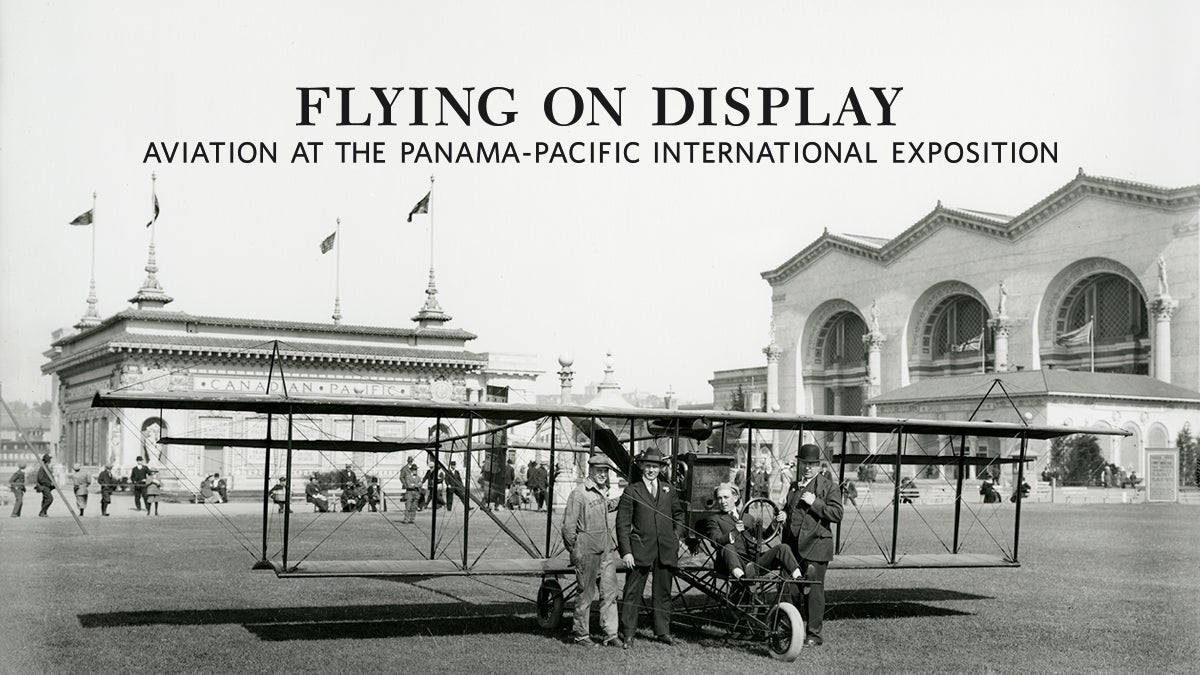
658, 263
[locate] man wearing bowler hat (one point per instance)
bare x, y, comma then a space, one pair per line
589, 535
812, 506
649, 525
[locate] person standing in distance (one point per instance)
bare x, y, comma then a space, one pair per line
649, 525
137, 479
16, 483
45, 485
813, 504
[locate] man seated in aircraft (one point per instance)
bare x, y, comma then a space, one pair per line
727, 532
314, 494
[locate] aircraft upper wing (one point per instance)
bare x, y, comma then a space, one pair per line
280, 405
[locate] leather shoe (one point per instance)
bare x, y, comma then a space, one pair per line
665, 639
626, 643
584, 642
813, 642
614, 641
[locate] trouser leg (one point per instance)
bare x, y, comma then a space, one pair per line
631, 599
608, 596
661, 595
587, 566
18, 499
812, 608
47, 500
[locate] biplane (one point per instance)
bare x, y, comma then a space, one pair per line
705, 449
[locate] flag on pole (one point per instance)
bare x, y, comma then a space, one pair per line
421, 207
155, 211
327, 243
1079, 336
972, 345
84, 218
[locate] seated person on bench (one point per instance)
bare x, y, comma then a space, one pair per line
725, 530
314, 494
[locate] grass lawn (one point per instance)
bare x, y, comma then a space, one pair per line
1103, 588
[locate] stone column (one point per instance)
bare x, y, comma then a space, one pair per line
772, 352
874, 340
1162, 308
1001, 327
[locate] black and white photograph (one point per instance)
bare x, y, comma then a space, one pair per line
625, 337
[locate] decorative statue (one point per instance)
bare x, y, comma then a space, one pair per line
1002, 309
874, 316
1162, 276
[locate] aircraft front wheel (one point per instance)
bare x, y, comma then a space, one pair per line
785, 632
549, 604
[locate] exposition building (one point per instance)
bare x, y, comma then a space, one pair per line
1100, 278
148, 347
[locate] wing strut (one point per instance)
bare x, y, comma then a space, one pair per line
896, 487
958, 489
1020, 497
263, 563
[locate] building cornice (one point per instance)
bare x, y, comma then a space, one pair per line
183, 318
1010, 230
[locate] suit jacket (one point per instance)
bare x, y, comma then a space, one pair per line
650, 526
138, 474
808, 526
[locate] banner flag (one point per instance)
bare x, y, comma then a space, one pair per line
1079, 336
421, 207
327, 243
972, 345
84, 218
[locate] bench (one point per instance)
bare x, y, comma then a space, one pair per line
1070, 494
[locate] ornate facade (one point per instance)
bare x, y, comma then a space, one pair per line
1100, 276
150, 348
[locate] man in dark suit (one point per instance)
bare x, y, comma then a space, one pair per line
727, 530
649, 525
137, 479
812, 505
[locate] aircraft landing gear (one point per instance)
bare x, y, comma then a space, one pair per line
785, 632
549, 604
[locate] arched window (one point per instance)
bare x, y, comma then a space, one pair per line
1115, 304
843, 358
957, 327
152, 430
843, 342
1119, 335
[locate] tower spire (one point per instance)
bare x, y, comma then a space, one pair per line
91, 317
151, 295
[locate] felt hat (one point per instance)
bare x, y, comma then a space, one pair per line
810, 453
652, 456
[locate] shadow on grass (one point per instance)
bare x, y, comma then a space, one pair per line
337, 622
276, 624
893, 603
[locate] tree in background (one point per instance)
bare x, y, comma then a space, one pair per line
1189, 447
1076, 460
739, 400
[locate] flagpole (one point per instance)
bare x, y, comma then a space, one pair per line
1091, 340
337, 277
93, 244
153, 201
429, 207
983, 349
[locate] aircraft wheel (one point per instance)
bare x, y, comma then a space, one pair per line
549, 604
785, 632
